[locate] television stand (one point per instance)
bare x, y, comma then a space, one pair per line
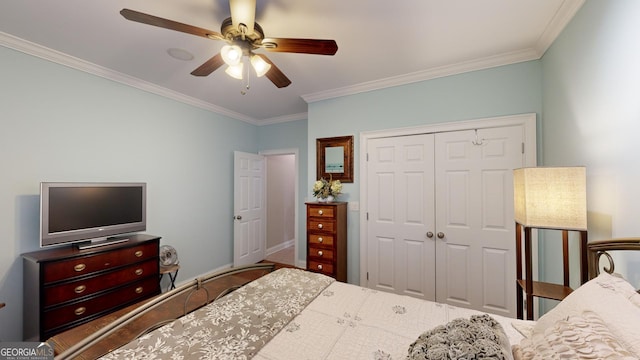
64, 287
101, 242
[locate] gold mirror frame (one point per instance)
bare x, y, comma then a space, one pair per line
328, 164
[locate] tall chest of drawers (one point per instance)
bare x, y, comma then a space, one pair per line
65, 287
327, 239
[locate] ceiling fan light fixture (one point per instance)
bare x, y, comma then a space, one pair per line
231, 54
259, 65
235, 71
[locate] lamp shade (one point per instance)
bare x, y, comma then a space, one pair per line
551, 197
259, 65
235, 71
231, 54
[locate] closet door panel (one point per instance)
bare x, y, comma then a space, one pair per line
401, 205
474, 211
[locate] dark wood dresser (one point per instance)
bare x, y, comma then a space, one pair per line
327, 239
65, 287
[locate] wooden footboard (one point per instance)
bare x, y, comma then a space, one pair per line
597, 249
111, 332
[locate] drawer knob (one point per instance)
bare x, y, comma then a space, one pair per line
320, 212
139, 272
79, 311
320, 239
80, 267
138, 253
319, 266
139, 290
80, 289
320, 252
319, 226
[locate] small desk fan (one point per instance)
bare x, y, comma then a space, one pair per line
168, 255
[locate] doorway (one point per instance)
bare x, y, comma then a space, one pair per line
281, 206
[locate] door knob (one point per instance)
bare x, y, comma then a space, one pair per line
429, 234
440, 235
239, 217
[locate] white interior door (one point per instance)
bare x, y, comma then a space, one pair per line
249, 224
401, 254
475, 247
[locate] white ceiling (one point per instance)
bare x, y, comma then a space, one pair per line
381, 43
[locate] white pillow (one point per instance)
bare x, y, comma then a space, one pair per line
610, 298
578, 337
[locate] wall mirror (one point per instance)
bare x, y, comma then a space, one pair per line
334, 158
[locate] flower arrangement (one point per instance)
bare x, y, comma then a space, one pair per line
323, 188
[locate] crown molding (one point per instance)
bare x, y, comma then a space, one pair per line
429, 74
60, 58
562, 17
284, 118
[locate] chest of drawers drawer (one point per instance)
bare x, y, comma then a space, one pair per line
93, 306
321, 267
320, 239
322, 225
321, 211
60, 293
321, 253
66, 269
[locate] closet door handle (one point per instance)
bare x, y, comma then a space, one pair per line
429, 234
440, 235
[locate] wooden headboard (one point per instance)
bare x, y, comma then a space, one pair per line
597, 249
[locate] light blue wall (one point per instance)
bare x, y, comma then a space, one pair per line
506, 90
591, 86
291, 135
59, 124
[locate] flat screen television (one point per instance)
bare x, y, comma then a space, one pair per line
92, 213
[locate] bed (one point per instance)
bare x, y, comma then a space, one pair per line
295, 314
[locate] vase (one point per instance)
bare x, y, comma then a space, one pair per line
330, 198
321, 199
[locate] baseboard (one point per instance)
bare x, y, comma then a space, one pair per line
282, 246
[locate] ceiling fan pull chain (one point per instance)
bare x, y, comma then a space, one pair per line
246, 87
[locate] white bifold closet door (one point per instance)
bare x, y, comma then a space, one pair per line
401, 256
441, 216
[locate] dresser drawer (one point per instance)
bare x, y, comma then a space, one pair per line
60, 293
322, 225
318, 239
321, 211
326, 254
321, 267
81, 310
66, 269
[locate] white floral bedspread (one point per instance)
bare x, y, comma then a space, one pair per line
294, 314
234, 327
350, 322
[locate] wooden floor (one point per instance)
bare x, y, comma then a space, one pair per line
171, 310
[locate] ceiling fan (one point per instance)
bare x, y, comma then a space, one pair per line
243, 35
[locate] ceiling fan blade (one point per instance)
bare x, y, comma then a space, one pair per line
277, 77
209, 66
303, 46
243, 12
169, 24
